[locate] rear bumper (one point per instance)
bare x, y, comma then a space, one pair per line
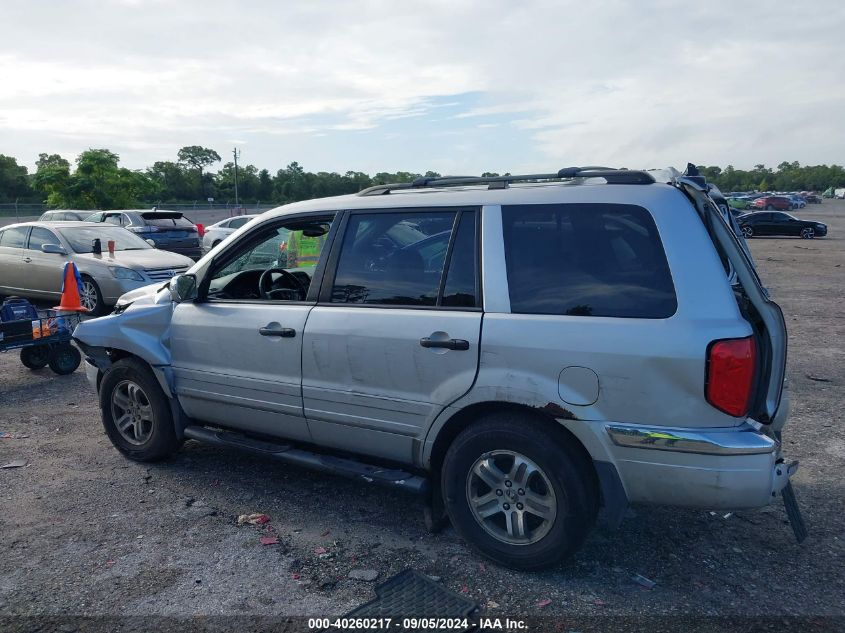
713, 468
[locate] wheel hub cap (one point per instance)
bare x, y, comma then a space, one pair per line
511, 497
132, 412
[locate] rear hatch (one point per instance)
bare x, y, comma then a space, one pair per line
762, 313
170, 229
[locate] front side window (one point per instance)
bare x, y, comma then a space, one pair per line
276, 263
40, 236
398, 258
114, 219
238, 222
602, 260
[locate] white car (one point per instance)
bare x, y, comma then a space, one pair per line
216, 233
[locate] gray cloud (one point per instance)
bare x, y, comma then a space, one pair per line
384, 85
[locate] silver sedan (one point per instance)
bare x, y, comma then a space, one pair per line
33, 256
218, 232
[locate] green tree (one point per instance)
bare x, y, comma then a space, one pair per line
51, 178
14, 183
198, 157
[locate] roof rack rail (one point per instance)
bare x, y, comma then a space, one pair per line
612, 176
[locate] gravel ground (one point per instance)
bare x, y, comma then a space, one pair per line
86, 532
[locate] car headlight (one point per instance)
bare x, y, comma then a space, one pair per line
119, 272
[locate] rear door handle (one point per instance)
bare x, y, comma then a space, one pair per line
452, 343
285, 332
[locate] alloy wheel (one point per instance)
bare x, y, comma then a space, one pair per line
511, 497
808, 233
747, 231
132, 412
88, 295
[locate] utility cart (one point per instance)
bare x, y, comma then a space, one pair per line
43, 340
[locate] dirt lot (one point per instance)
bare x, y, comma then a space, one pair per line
86, 532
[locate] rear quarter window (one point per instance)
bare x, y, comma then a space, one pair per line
601, 260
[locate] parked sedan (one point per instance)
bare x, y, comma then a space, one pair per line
771, 203
64, 215
216, 233
170, 230
774, 223
33, 256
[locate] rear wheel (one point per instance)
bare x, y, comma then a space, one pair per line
808, 233
64, 359
215, 243
769, 207
519, 492
136, 412
747, 232
35, 357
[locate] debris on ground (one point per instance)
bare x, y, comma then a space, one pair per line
543, 603
253, 519
643, 581
320, 550
12, 436
492, 604
326, 533
817, 378
18, 463
367, 575
269, 540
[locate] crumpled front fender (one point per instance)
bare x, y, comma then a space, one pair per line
142, 329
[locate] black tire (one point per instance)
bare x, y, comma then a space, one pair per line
161, 441
747, 232
769, 207
562, 462
99, 306
64, 359
35, 357
216, 243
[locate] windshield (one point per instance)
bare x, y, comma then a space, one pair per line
81, 239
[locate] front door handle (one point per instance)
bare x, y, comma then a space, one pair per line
285, 332
452, 343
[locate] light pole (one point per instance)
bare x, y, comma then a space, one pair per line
235, 153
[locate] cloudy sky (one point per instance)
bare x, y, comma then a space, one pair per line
457, 87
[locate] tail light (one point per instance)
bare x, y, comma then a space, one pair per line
731, 365
200, 230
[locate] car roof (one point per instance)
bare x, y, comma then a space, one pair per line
478, 195
59, 224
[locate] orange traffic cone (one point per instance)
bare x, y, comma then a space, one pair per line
70, 291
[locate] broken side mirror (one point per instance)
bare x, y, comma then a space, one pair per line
183, 288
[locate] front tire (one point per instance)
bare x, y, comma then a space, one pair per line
808, 233
136, 412
747, 232
90, 296
523, 494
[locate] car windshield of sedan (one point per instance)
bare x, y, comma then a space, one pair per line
81, 239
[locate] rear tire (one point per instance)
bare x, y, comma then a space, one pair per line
523, 494
35, 357
747, 232
769, 207
64, 359
136, 412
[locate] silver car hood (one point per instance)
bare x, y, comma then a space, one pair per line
147, 258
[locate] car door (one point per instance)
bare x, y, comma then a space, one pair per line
236, 354
395, 336
12, 240
762, 223
43, 271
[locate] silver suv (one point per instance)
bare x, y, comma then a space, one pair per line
529, 352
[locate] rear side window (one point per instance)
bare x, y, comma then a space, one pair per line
238, 222
602, 260
399, 258
13, 238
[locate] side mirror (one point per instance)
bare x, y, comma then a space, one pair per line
151, 243
55, 249
183, 288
